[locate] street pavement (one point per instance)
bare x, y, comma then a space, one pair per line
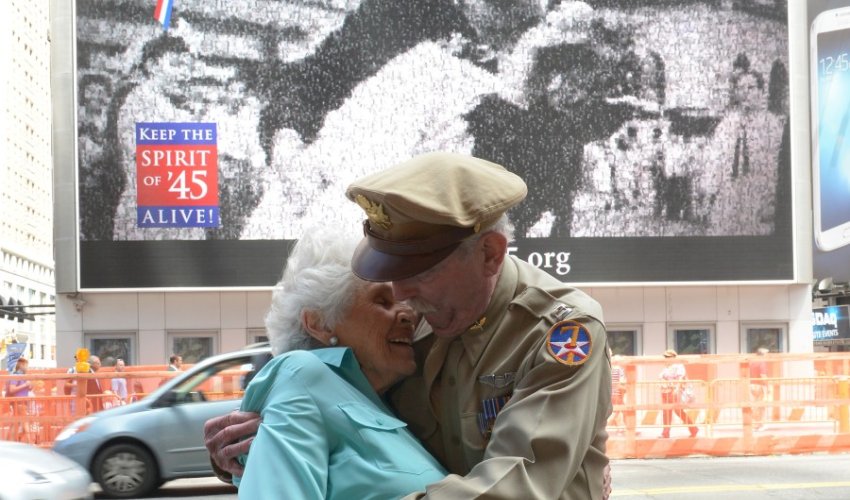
791, 477
786, 477
189, 489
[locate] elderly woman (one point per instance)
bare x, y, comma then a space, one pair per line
326, 432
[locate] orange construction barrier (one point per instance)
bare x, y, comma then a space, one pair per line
732, 414
39, 418
736, 415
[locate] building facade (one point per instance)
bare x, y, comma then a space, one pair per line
146, 327
27, 281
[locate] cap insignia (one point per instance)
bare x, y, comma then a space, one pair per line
374, 211
569, 343
479, 325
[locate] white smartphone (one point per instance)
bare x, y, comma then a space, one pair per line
829, 63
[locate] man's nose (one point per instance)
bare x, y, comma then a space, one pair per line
403, 289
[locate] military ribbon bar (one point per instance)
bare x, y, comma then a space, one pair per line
487, 418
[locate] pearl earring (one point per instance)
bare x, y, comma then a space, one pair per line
334, 340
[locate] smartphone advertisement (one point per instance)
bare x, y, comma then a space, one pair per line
831, 107
829, 63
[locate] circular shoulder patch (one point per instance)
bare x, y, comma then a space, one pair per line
569, 343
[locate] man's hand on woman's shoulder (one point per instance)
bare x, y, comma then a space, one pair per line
228, 436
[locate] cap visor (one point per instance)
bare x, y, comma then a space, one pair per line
372, 265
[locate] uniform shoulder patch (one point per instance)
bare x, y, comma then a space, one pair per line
569, 342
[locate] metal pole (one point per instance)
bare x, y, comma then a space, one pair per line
843, 407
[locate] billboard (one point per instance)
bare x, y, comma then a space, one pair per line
831, 325
654, 136
831, 195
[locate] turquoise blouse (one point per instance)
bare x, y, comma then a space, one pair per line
327, 434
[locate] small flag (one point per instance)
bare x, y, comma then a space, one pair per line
162, 13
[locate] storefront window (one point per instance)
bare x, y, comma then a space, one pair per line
625, 341
257, 335
110, 347
771, 337
193, 347
692, 339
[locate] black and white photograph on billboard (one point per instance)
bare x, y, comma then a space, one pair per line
653, 136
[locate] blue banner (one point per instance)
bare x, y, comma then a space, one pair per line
13, 353
176, 133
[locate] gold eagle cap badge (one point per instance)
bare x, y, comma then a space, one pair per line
374, 211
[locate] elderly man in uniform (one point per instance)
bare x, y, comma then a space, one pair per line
514, 383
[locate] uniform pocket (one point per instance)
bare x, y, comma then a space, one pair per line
474, 443
385, 439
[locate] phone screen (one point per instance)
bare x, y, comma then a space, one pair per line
833, 111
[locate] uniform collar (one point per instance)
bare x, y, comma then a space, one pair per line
475, 339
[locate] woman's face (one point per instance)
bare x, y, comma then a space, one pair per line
380, 332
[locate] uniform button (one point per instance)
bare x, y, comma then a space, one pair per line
451, 381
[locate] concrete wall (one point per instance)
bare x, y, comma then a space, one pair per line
232, 315
150, 317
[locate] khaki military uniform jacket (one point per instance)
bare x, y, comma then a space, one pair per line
547, 440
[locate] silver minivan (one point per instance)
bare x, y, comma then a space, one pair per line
132, 450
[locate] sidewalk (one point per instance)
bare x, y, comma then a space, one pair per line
729, 440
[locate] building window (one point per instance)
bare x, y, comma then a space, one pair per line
691, 339
625, 340
194, 346
111, 346
257, 335
771, 336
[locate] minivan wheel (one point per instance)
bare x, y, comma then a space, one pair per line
125, 471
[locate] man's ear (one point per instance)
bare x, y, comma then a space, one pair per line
494, 245
315, 326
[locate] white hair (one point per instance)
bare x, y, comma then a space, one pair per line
317, 277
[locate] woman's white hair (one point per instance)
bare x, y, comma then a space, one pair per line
317, 277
